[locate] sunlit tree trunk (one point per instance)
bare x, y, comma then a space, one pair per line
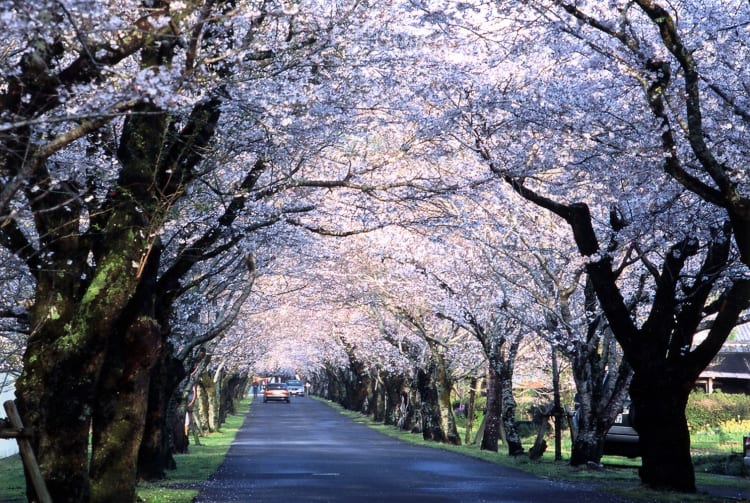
601, 389
602, 378
444, 389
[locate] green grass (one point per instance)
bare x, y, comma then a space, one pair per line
12, 482
180, 486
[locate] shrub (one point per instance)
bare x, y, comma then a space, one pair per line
717, 411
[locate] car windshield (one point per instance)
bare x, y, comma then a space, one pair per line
275, 385
294, 383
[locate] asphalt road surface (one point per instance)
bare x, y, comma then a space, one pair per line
308, 452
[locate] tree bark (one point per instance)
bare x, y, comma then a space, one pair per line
470, 409
491, 435
658, 414
155, 455
63, 362
119, 416
599, 397
429, 406
393, 384
206, 404
378, 400
433, 385
512, 435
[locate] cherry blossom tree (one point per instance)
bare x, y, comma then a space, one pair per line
609, 110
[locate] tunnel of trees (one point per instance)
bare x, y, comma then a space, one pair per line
389, 199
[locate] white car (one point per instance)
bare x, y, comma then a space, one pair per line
295, 387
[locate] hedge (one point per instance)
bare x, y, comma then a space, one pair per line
710, 411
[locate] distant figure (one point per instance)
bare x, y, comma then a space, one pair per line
255, 389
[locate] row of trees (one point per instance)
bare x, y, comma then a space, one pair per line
184, 185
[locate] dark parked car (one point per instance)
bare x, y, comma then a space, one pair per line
622, 439
295, 387
276, 391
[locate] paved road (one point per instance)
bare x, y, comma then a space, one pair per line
308, 452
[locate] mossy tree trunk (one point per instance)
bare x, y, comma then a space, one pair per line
63, 362
84, 310
392, 386
434, 386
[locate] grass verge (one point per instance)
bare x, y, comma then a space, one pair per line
180, 486
12, 482
618, 477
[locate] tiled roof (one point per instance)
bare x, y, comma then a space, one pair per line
729, 364
741, 334
733, 359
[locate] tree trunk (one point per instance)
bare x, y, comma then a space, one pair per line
63, 459
438, 423
602, 378
378, 401
210, 415
120, 415
409, 409
231, 390
444, 390
204, 404
557, 411
512, 436
598, 400
392, 389
64, 357
155, 455
470, 409
658, 415
491, 435
429, 407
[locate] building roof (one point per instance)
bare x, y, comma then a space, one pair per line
729, 364
733, 360
741, 334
